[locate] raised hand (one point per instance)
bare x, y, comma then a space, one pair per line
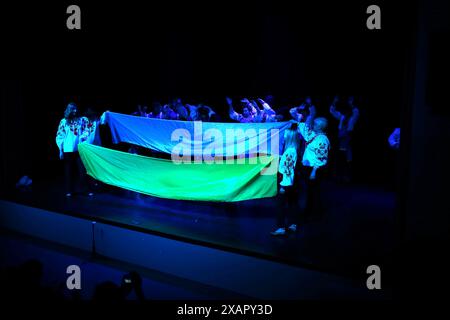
312, 176
254, 104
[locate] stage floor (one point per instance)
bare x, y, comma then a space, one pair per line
356, 230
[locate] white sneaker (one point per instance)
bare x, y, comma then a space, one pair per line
282, 190
68, 194
293, 227
279, 232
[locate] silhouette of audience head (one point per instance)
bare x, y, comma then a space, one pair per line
109, 292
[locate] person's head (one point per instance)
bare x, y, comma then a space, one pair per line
175, 101
320, 124
166, 111
108, 292
269, 99
71, 111
308, 101
127, 284
253, 106
182, 111
350, 100
131, 281
156, 107
172, 115
203, 114
246, 105
246, 112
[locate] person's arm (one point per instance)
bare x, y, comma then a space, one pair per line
312, 176
353, 119
233, 114
295, 115
192, 111
336, 114
259, 117
255, 107
312, 115
267, 109
303, 129
60, 136
321, 153
210, 111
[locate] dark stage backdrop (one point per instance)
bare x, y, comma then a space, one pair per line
129, 53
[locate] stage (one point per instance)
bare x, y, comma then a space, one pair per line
356, 230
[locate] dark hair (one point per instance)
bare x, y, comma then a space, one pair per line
294, 126
203, 111
69, 109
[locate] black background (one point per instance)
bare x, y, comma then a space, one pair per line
137, 52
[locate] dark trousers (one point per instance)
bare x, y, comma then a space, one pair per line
288, 208
344, 157
75, 173
313, 205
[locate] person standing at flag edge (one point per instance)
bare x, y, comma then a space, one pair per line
288, 185
73, 130
313, 162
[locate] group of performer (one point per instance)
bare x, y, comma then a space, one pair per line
250, 111
305, 140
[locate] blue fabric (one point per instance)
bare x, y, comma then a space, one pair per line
197, 138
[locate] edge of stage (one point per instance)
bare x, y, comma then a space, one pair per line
213, 244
